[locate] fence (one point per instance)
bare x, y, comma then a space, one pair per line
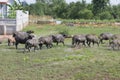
8, 26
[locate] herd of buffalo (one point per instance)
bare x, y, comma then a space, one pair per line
30, 40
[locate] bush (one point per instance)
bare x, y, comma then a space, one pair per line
85, 14
12, 14
105, 15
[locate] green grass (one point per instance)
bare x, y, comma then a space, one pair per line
61, 62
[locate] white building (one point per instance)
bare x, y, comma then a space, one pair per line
4, 9
8, 25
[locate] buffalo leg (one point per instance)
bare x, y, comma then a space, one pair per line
63, 43
35, 47
50, 45
101, 41
118, 47
98, 43
16, 45
47, 45
57, 43
89, 44
29, 49
8, 42
40, 45
93, 43
84, 43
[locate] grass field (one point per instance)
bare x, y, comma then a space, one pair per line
61, 62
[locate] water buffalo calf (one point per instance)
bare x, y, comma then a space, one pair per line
105, 36
47, 40
115, 43
116, 36
92, 38
11, 40
58, 38
77, 39
32, 43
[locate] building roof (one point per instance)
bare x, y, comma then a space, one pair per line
3, 1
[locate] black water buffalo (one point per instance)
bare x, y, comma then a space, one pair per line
32, 43
58, 38
77, 39
21, 37
105, 36
115, 43
47, 40
92, 38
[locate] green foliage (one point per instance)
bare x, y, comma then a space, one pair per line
37, 9
76, 9
15, 6
98, 9
99, 6
12, 14
105, 15
85, 14
115, 11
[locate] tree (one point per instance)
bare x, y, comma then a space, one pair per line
85, 14
57, 8
15, 6
105, 15
99, 9
115, 11
99, 6
37, 9
75, 9
48, 7
61, 11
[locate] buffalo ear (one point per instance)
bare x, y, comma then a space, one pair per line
52, 36
14, 35
65, 35
30, 36
29, 31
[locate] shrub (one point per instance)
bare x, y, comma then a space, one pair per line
105, 15
85, 14
12, 14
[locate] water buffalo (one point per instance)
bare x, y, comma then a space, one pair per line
116, 36
47, 40
11, 40
58, 38
77, 39
32, 43
105, 36
92, 38
115, 43
21, 37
